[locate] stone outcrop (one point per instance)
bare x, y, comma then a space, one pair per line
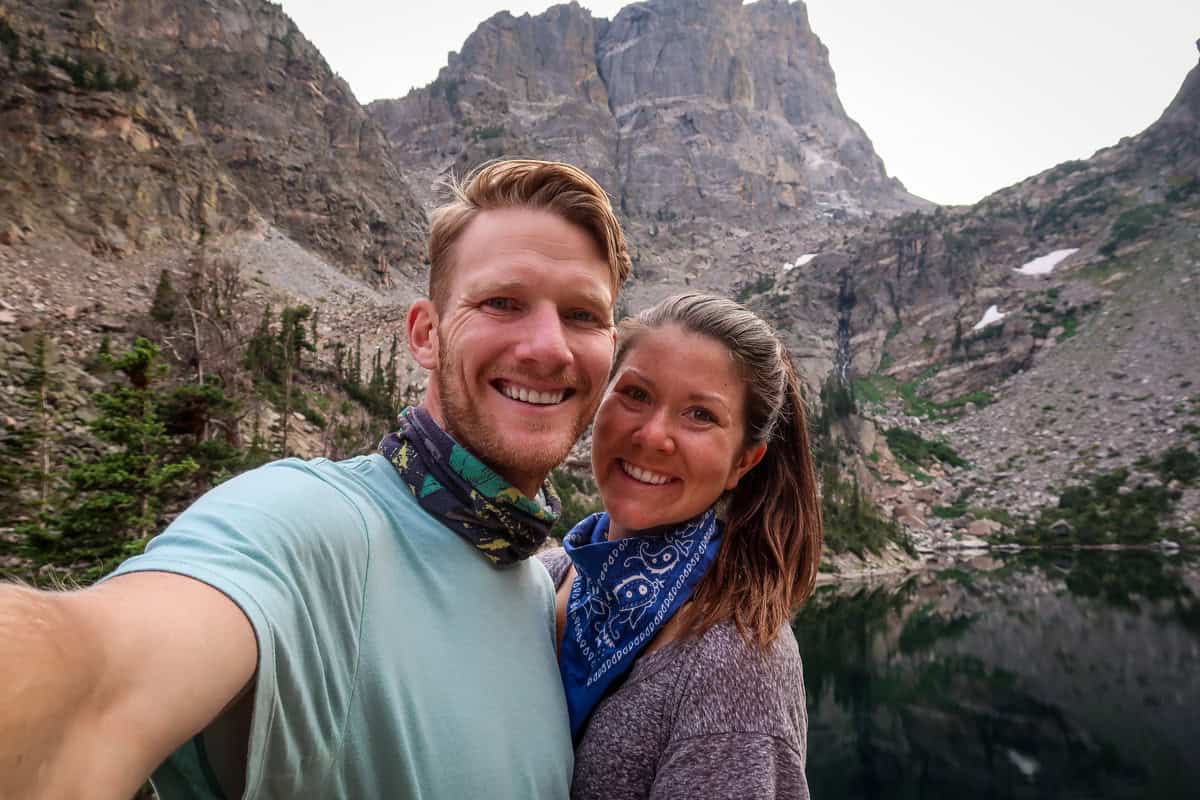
683, 109
131, 124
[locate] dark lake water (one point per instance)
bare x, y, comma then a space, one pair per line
1068, 675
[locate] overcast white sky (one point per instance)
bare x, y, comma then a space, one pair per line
960, 97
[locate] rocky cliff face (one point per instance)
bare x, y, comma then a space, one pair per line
717, 128
684, 109
1057, 314
130, 124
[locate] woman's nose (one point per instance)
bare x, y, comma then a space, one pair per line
655, 432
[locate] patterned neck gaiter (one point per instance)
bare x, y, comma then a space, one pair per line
623, 593
464, 494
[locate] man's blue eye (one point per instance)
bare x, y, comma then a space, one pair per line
581, 315
498, 303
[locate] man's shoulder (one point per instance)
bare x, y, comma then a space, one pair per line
294, 485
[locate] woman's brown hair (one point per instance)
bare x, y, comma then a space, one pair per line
767, 564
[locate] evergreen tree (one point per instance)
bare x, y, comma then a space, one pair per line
193, 413
165, 299
40, 383
121, 494
393, 394
293, 342
17, 447
260, 352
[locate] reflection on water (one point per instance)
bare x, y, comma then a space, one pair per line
1071, 675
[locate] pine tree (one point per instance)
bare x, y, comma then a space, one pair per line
393, 398
121, 494
166, 299
260, 352
40, 383
17, 448
293, 343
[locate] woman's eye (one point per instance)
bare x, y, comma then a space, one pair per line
703, 415
636, 393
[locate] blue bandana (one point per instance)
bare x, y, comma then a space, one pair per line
623, 593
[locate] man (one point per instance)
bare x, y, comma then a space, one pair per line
368, 628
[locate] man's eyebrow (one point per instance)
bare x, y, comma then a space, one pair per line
507, 285
585, 295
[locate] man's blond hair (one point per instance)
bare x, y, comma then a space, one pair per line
551, 186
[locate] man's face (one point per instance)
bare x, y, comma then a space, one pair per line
522, 347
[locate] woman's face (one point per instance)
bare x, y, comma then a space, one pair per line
671, 430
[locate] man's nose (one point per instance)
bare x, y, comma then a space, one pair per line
544, 340
655, 432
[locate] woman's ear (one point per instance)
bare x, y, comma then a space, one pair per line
746, 462
422, 333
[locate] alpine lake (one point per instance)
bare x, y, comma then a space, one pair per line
1041, 674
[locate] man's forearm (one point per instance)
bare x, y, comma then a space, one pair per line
98, 686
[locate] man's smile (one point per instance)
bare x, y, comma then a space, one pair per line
531, 395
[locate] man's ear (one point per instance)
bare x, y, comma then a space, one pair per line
422, 333
748, 461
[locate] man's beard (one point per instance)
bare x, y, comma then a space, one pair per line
470, 429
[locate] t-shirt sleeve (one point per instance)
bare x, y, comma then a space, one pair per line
740, 723
290, 548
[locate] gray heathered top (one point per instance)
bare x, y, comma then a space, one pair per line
698, 719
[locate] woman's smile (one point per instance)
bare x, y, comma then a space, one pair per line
670, 433
642, 475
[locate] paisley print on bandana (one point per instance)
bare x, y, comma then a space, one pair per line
465, 494
623, 593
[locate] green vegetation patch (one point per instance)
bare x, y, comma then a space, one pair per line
94, 75
952, 511
580, 499
488, 132
1182, 187
1132, 224
852, 522
878, 388
10, 40
1108, 510
1088, 198
1178, 464
763, 283
909, 446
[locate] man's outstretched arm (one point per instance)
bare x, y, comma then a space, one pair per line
98, 687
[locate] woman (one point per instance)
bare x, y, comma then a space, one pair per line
683, 678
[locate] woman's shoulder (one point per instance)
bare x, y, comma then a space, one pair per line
737, 686
557, 562
724, 651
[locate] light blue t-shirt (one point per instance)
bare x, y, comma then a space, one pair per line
394, 660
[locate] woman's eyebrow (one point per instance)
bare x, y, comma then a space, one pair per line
643, 377
708, 397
